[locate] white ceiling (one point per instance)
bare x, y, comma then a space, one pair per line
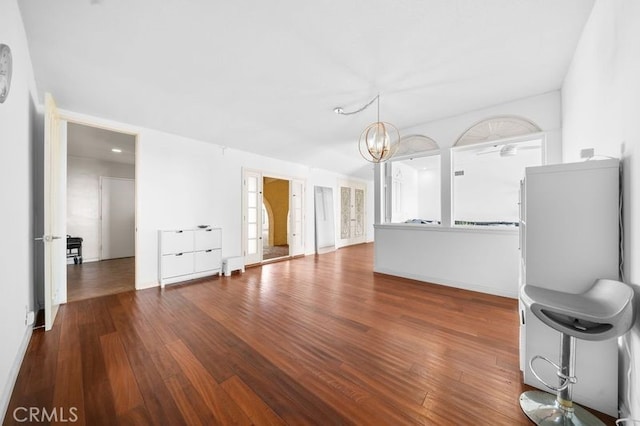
265, 76
92, 142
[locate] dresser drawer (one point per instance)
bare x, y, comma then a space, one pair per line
208, 260
206, 239
176, 241
174, 265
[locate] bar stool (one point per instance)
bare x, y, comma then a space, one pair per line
602, 312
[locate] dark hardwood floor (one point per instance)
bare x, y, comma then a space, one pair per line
95, 279
314, 340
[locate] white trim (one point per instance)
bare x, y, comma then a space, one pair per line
508, 140
104, 124
495, 118
459, 228
353, 184
13, 372
266, 174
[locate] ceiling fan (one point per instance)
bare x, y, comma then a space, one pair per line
507, 150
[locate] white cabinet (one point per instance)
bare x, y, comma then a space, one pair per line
569, 238
208, 255
178, 241
186, 254
177, 264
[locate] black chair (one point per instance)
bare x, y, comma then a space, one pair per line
74, 249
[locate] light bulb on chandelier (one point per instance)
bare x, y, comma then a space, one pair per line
380, 140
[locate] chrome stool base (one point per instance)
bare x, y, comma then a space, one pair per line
542, 408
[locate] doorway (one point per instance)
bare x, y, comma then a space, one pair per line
100, 211
273, 217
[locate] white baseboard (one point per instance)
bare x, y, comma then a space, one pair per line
13, 373
147, 285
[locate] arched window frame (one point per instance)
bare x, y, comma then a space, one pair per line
505, 145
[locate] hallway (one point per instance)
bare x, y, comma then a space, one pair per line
95, 279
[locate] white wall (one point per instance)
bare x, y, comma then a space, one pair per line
329, 179
488, 191
83, 199
404, 181
16, 244
182, 182
484, 260
429, 199
601, 110
490, 259
544, 110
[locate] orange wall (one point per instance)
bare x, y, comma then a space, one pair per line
276, 192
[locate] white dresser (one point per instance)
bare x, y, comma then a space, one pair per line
186, 254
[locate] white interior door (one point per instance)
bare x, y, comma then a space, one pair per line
352, 213
55, 185
117, 205
252, 217
296, 217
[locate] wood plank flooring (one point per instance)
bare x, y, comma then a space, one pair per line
95, 279
314, 340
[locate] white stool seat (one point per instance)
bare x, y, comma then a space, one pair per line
602, 312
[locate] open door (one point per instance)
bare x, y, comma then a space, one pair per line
54, 238
252, 217
253, 196
296, 216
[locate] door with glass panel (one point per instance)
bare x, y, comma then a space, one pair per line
252, 217
255, 217
352, 213
296, 217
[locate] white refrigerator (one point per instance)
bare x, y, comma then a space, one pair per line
569, 237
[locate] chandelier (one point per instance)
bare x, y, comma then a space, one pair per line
379, 141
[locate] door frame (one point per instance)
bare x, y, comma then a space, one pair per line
353, 184
54, 218
263, 173
75, 118
247, 173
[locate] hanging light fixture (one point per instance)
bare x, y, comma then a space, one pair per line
380, 140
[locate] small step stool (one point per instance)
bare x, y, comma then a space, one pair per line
234, 263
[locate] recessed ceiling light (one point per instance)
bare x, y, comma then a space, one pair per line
118, 150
